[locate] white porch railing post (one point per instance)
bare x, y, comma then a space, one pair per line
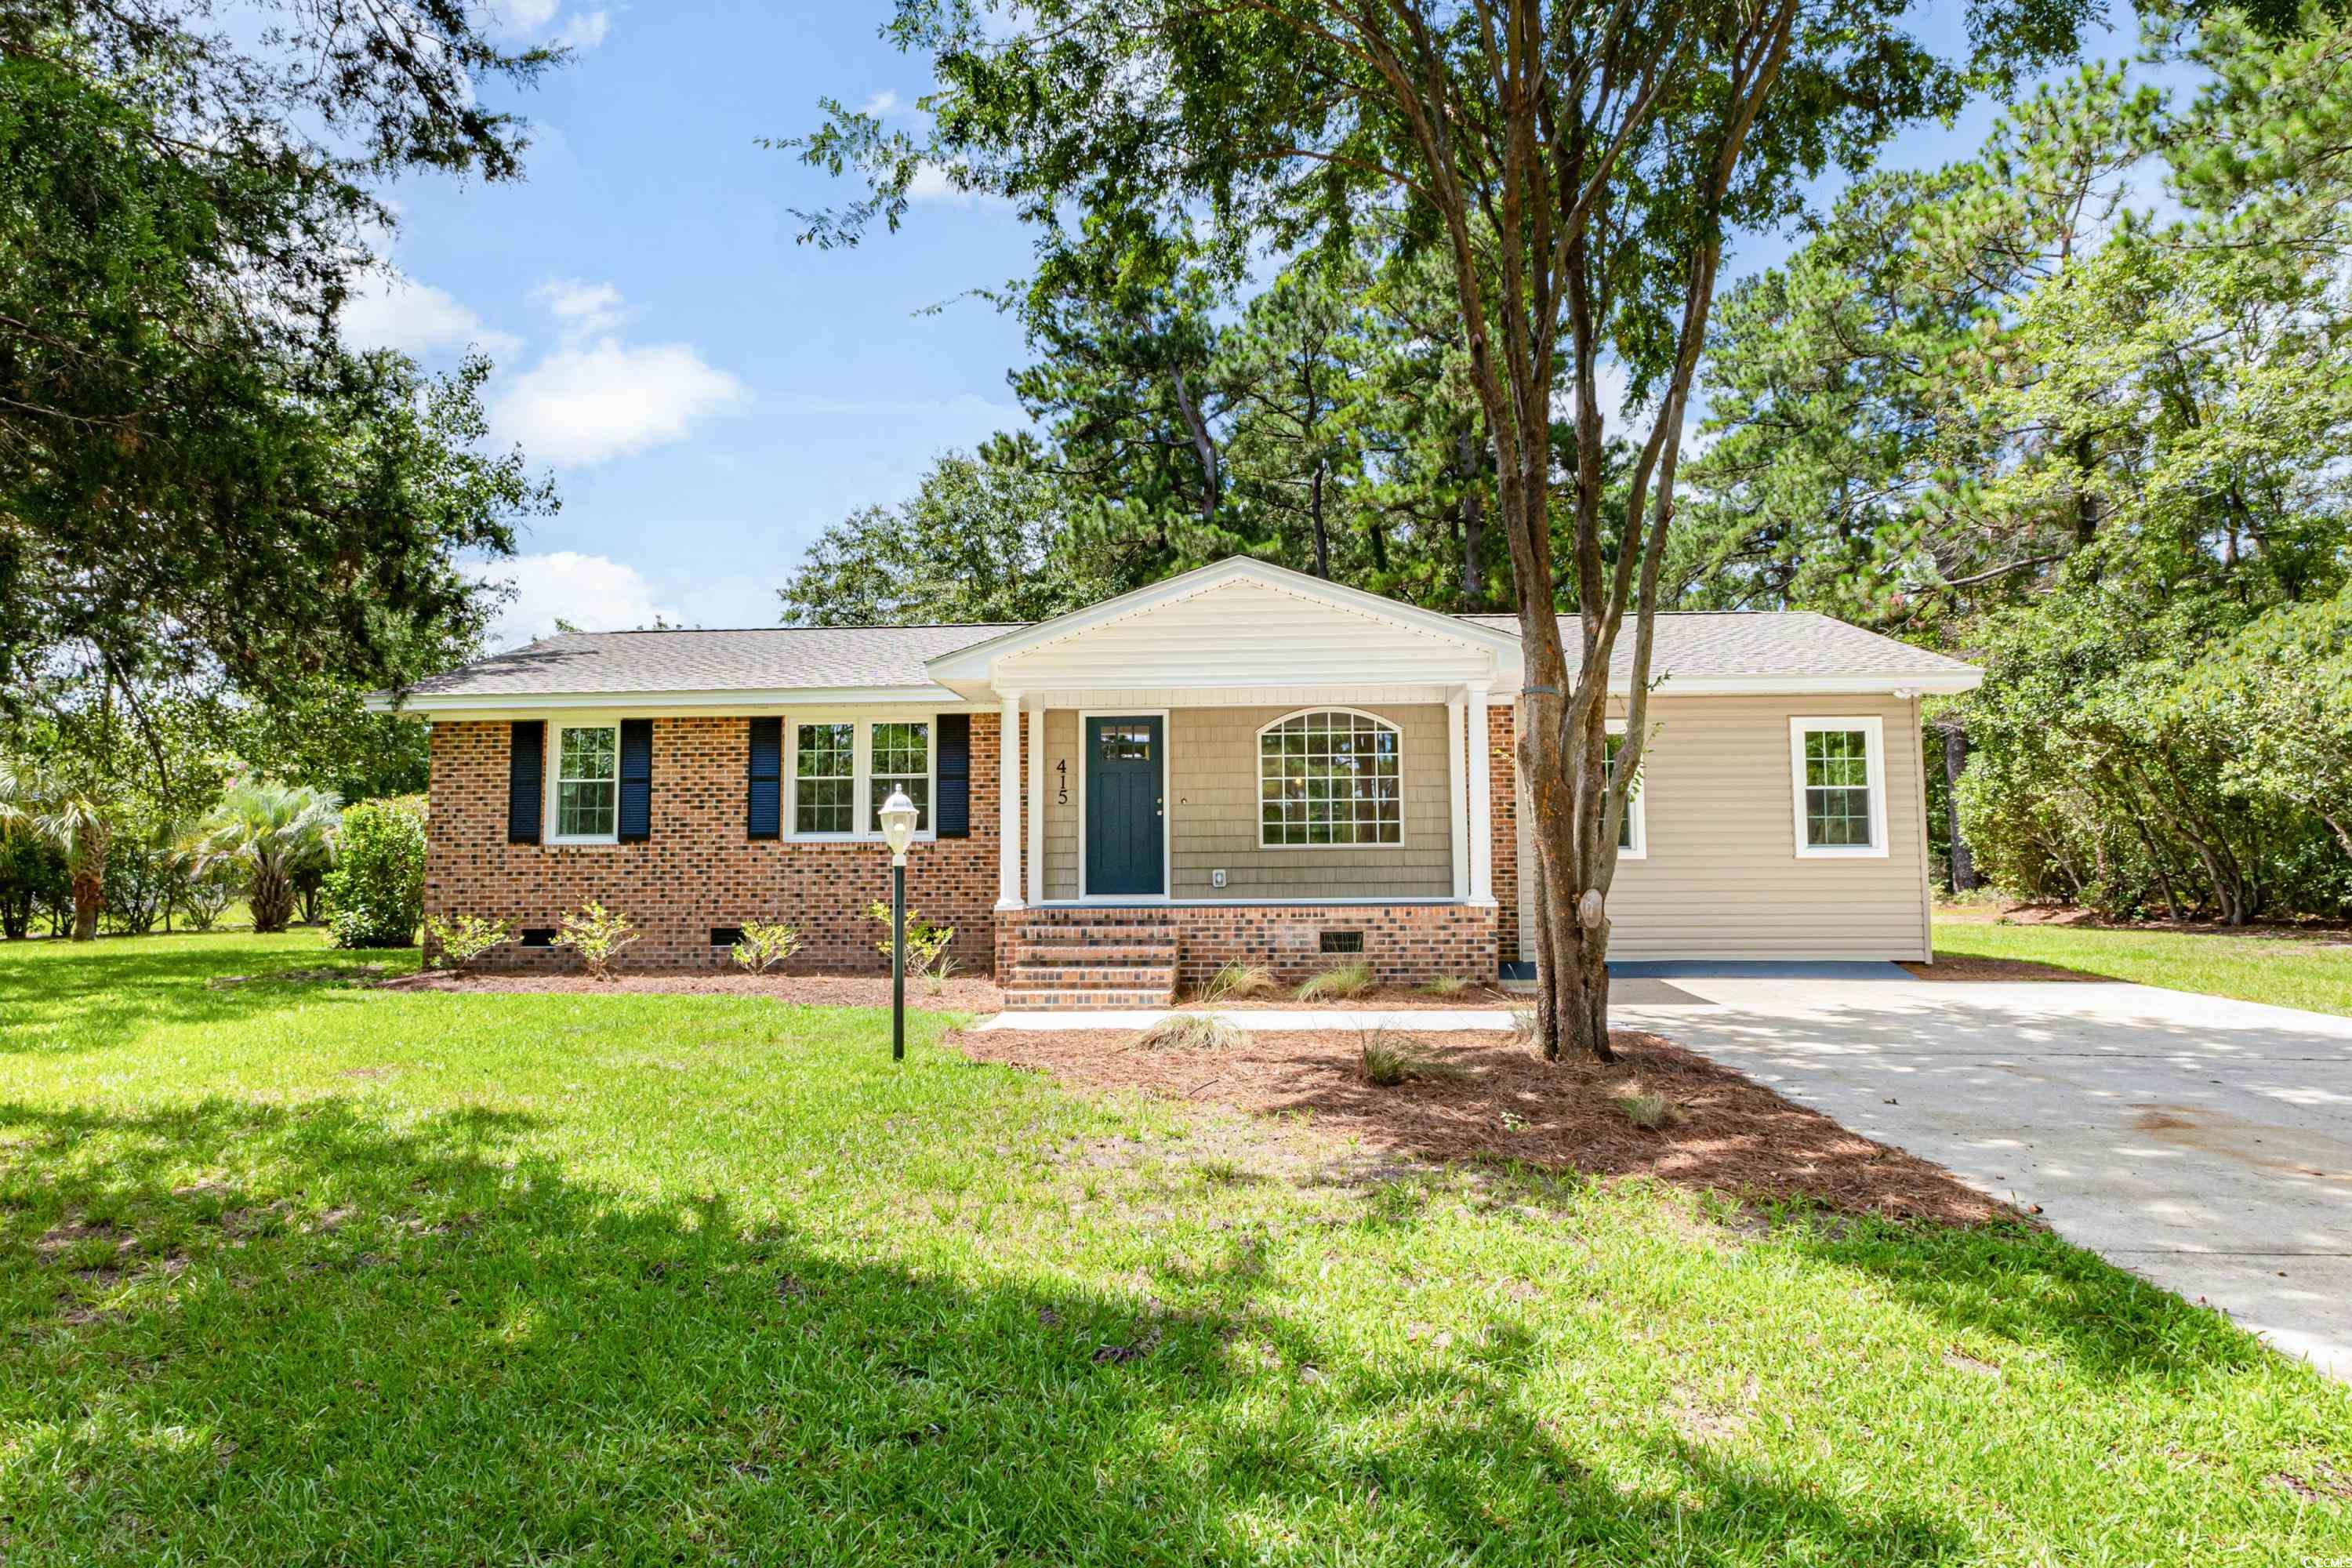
1456, 791
1008, 807
1036, 804
1482, 800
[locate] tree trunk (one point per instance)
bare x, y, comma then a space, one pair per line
89, 895
1473, 521
273, 899
1315, 517
1956, 758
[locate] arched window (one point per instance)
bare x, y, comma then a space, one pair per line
1329, 776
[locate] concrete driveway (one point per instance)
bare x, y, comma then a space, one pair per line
2205, 1144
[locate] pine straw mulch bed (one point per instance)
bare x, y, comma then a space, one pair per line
975, 996
1735, 1137
1382, 999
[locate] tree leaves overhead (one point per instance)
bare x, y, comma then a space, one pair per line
195, 476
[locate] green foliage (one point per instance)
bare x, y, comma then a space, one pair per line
271, 835
1236, 981
2004, 409
927, 940
765, 944
1388, 1058
375, 892
458, 943
597, 935
1338, 983
32, 879
1651, 1113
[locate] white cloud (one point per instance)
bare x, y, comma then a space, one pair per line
595, 592
881, 105
588, 403
392, 311
933, 182
519, 19
583, 30
581, 306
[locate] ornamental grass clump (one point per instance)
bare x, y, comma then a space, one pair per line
1339, 983
598, 935
1650, 1112
1238, 980
1388, 1058
1193, 1032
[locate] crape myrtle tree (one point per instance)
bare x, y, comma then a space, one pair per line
1576, 166
197, 476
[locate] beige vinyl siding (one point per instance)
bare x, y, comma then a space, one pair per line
1213, 814
1723, 879
1063, 806
1214, 794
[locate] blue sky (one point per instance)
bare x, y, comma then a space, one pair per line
708, 394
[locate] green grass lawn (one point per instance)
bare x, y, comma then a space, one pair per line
2287, 971
304, 1272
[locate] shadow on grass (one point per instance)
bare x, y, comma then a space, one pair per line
62, 996
415, 1342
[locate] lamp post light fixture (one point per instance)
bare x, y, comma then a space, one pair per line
897, 816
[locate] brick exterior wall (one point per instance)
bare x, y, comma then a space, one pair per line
1502, 777
1406, 944
697, 869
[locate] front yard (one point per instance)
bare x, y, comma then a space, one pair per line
2284, 968
298, 1271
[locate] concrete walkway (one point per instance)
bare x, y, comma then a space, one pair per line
2203, 1142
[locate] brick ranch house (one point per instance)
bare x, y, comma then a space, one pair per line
1243, 762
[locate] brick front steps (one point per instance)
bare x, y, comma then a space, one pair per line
1089, 958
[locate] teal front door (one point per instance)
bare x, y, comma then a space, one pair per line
1127, 809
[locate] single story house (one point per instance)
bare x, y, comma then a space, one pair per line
1241, 762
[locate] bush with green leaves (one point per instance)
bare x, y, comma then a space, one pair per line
763, 946
927, 940
375, 893
597, 934
458, 943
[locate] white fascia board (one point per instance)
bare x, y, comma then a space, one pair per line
1942, 683
494, 704
979, 661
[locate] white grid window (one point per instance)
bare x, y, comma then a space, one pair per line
1330, 778
824, 778
902, 760
1838, 775
1632, 829
587, 783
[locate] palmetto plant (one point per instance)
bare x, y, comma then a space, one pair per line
76, 821
270, 833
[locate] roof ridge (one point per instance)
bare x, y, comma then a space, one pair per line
860, 626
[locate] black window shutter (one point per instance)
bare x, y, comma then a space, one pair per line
764, 811
951, 813
526, 780
636, 780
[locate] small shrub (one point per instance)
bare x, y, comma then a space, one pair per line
1193, 1032
458, 942
375, 893
765, 946
1649, 1111
598, 934
1447, 985
935, 978
1389, 1058
1338, 983
1526, 1025
1238, 980
927, 940
205, 896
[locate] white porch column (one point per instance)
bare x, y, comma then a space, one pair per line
1456, 759
1036, 804
1482, 800
1008, 807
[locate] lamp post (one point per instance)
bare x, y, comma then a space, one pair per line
897, 816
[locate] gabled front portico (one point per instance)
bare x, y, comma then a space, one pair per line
1247, 738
